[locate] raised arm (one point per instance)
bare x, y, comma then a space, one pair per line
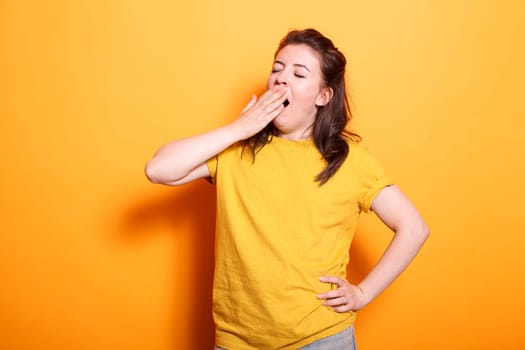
398, 213
184, 160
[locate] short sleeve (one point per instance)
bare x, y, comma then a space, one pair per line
373, 179
223, 161
212, 168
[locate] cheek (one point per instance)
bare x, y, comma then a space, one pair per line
308, 93
270, 82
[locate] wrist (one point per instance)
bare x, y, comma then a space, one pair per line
235, 131
232, 133
366, 298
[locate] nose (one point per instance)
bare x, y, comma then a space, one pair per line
282, 78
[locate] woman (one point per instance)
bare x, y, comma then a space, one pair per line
291, 183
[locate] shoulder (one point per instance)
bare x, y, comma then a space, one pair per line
232, 151
363, 162
357, 150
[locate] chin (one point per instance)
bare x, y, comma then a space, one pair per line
279, 121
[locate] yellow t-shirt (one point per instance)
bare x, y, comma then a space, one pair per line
277, 232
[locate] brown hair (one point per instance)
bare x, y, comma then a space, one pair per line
329, 126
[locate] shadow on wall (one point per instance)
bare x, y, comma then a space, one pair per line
191, 207
361, 262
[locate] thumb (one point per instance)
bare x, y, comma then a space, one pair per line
250, 104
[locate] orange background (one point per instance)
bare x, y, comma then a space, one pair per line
95, 257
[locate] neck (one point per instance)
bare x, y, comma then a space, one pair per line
298, 135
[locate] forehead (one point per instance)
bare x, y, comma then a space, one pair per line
298, 54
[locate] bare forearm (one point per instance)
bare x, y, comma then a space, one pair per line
176, 159
396, 258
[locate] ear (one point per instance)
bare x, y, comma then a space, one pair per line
324, 96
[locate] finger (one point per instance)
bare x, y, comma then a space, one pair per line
331, 294
278, 102
273, 95
253, 100
270, 104
336, 302
332, 279
342, 308
273, 114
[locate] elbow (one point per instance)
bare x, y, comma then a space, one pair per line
423, 232
152, 173
416, 232
157, 173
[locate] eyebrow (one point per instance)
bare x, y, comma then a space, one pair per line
295, 65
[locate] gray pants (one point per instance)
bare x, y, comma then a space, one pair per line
344, 340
